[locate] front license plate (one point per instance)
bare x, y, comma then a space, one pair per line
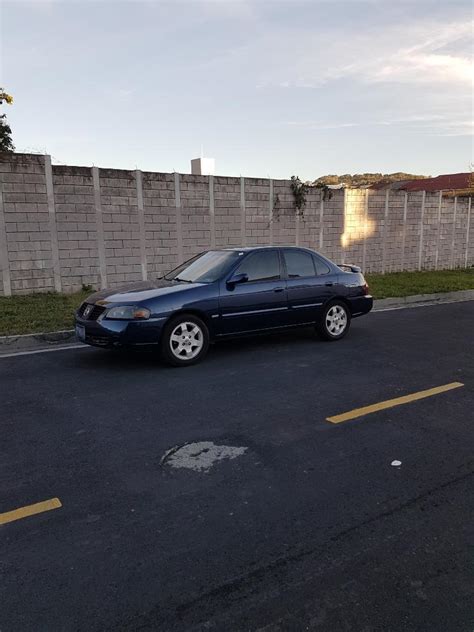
80, 332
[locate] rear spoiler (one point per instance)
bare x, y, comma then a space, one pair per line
348, 267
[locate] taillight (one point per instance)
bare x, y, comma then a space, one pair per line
365, 288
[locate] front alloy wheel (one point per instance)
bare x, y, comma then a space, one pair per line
335, 321
185, 340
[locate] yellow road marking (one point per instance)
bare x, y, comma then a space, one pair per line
390, 403
30, 510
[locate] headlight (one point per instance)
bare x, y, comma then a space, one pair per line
128, 312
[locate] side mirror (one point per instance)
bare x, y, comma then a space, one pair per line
236, 279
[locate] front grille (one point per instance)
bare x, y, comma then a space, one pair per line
93, 314
97, 310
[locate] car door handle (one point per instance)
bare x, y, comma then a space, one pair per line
279, 289
329, 284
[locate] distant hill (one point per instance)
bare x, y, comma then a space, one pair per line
363, 179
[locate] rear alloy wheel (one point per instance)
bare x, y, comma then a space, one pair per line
335, 321
185, 340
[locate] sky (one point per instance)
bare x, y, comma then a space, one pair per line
269, 88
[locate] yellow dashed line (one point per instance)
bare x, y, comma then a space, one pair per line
30, 510
390, 403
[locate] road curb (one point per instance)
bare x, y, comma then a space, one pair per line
33, 342
417, 300
66, 338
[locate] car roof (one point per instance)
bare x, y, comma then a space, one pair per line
250, 248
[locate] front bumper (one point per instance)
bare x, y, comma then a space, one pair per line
119, 333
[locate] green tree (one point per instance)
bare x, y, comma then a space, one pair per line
6, 142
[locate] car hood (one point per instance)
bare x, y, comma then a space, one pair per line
139, 291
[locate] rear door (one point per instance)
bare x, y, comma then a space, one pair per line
259, 303
309, 284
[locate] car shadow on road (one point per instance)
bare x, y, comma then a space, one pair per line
225, 352
230, 349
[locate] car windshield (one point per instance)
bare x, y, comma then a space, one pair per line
205, 268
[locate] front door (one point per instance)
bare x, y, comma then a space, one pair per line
259, 303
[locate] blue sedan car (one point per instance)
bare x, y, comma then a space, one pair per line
223, 293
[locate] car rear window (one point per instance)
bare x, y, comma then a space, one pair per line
321, 266
299, 264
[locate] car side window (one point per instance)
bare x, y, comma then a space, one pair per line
261, 266
299, 264
321, 266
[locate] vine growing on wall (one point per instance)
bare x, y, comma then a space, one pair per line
300, 191
276, 208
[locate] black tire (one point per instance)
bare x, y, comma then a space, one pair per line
183, 340
341, 316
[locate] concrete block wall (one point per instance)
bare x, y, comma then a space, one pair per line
257, 211
355, 225
228, 215
25, 245
430, 230
459, 242
76, 226
160, 223
333, 229
117, 196
395, 234
285, 220
413, 230
195, 216
372, 261
62, 227
310, 223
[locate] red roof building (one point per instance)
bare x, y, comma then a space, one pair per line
446, 182
440, 183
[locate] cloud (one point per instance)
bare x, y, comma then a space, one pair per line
228, 8
433, 124
415, 75
427, 61
320, 126
414, 118
422, 52
124, 94
457, 128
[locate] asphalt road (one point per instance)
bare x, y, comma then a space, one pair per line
311, 528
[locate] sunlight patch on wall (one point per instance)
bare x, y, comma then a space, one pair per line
357, 225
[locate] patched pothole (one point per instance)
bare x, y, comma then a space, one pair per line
200, 456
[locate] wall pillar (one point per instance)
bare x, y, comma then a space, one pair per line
466, 257
179, 221
438, 235
366, 219
243, 240
100, 228
453, 238
53, 230
385, 230
404, 230
212, 213
4, 261
270, 213
141, 224
321, 223
422, 221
